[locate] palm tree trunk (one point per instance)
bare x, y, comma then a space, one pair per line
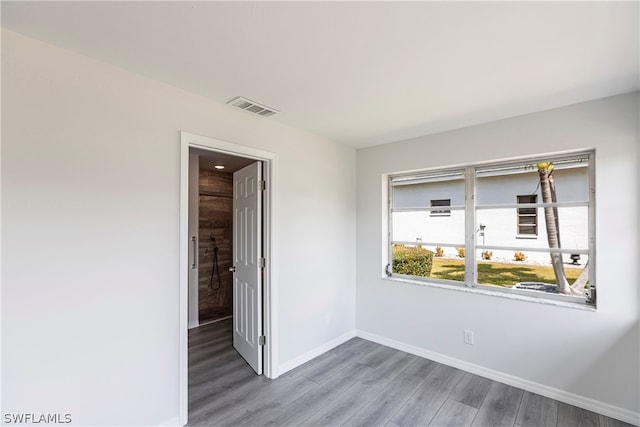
548, 190
581, 281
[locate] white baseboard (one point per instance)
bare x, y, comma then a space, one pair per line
543, 390
173, 422
287, 366
193, 324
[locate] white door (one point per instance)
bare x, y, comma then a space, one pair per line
247, 252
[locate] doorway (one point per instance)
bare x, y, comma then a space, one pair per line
211, 221
215, 240
255, 341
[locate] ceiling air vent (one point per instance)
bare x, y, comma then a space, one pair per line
254, 107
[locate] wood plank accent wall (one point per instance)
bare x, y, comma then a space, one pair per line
216, 220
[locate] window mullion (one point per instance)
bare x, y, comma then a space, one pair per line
470, 227
389, 267
592, 229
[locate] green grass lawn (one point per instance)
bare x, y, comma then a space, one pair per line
490, 273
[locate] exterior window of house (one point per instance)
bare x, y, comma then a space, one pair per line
438, 203
475, 246
528, 217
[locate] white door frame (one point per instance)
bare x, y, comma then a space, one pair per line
269, 324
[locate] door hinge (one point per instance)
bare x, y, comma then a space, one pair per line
262, 184
262, 340
262, 262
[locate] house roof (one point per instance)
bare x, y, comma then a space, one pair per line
360, 73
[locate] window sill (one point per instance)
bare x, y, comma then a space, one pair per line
526, 237
487, 292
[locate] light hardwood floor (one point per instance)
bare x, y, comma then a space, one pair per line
359, 383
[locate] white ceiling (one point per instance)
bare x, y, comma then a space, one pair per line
360, 73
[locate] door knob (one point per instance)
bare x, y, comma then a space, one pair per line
232, 269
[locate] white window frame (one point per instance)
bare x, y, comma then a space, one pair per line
471, 246
518, 216
444, 209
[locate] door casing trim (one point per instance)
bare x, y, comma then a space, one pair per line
269, 322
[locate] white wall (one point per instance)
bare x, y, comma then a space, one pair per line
90, 206
591, 357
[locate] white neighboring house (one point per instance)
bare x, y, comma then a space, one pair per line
511, 226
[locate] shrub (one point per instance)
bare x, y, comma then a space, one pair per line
460, 252
439, 252
519, 256
487, 255
413, 261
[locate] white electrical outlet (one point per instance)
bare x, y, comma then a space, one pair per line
468, 337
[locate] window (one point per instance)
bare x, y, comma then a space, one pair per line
438, 203
475, 246
528, 217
